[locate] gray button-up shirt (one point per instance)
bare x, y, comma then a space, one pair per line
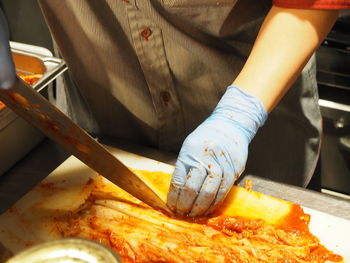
150, 71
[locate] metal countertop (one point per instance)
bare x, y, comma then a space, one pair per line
47, 156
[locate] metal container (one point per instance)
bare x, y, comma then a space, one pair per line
335, 152
333, 77
71, 250
17, 137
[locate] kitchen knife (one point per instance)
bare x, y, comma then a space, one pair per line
34, 108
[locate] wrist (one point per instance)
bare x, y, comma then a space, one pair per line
241, 109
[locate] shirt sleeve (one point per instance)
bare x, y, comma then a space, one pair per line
313, 4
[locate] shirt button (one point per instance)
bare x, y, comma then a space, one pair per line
165, 97
146, 33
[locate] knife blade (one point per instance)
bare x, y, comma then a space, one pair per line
33, 107
38, 111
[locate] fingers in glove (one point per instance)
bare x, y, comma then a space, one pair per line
208, 190
230, 175
178, 180
190, 190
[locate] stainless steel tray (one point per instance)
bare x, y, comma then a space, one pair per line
37, 60
17, 137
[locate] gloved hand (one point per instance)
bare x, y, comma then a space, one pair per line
7, 68
214, 155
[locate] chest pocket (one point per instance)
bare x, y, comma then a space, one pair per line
206, 15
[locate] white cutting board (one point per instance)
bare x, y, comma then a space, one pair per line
17, 233
333, 232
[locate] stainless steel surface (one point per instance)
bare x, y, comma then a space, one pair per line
333, 67
335, 151
328, 204
27, 103
336, 111
333, 78
17, 136
333, 56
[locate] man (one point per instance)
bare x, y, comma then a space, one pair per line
152, 71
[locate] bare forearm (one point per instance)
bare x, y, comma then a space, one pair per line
287, 39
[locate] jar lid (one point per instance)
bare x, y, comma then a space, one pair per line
70, 250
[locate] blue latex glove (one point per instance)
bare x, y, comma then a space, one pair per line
7, 67
214, 155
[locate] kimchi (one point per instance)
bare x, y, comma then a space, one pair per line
138, 233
